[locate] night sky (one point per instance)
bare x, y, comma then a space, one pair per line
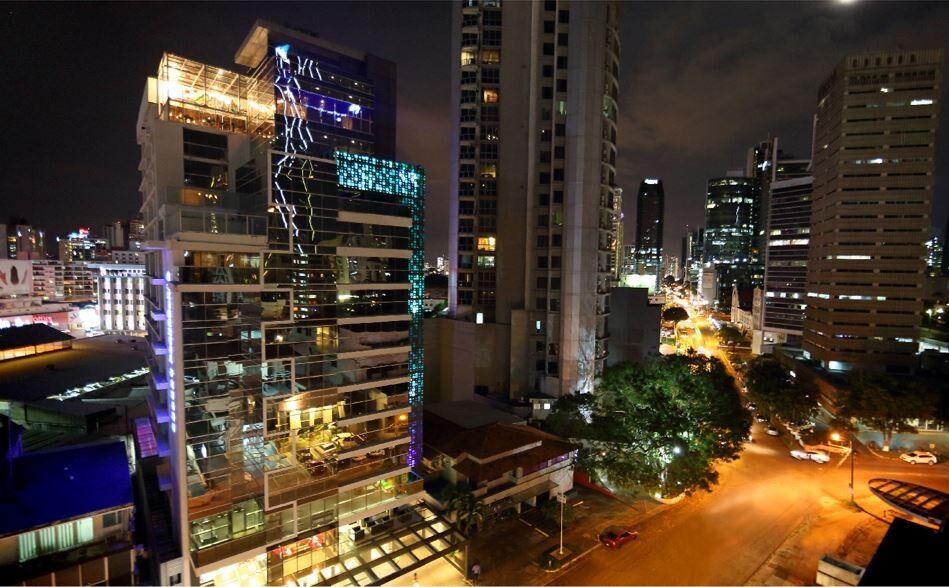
700, 83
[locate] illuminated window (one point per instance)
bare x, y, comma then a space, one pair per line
468, 58
489, 170
486, 261
489, 96
486, 243
490, 57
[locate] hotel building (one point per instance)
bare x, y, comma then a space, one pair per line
285, 295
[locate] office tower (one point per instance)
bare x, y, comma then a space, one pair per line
767, 162
285, 306
650, 208
80, 282
934, 255
945, 257
82, 247
21, 240
692, 252
877, 115
617, 258
670, 266
788, 235
730, 237
535, 93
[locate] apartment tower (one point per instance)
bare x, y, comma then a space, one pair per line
285, 303
874, 150
535, 90
650, 209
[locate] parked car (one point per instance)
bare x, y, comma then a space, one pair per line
752, 406
761, 418
818, 456
919, 457
772, 431
616, 536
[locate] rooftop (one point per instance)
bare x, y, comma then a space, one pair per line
90, 360
57, 485
32, 334
910, 554
472, 414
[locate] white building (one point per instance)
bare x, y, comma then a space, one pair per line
121, 297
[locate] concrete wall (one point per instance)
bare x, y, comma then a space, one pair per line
634, 325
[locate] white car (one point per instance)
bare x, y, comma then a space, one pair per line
772, 431
818, 456
919, 457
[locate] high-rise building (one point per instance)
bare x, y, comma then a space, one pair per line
877, 115
618, 219
650, 209
82, 247
691, 257
120, 291
729, 250
729, 220
945, 256
21, 241
535, 90
785, 288
285, 296
934, 255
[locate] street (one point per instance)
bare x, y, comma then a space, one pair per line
764, 501
724, 537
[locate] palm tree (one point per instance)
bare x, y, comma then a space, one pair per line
468, 510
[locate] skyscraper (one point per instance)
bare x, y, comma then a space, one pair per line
877, 115
788, 237
535, 88
729, 249
285, 307
618, 252
650, 209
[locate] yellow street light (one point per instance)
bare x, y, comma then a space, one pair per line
835, 437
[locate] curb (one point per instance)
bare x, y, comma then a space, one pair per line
567, 564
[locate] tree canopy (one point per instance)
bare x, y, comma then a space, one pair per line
658, 427
776, 392
883, 403
675, 314
730, 335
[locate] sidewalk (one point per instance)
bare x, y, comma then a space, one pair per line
509, 551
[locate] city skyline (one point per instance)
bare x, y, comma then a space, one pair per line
658, 134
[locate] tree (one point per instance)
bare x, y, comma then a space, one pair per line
885, 404
468, 510
658, 427
675, 314
730, 335
550, 509
771, 386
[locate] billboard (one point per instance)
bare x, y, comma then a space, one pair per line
16, 278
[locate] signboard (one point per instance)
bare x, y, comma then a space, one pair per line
16, 278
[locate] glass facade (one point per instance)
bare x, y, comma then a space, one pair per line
288, 351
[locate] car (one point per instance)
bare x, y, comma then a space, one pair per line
761, 418
752, 406
772, 431
919, 457
616, 536
818, 456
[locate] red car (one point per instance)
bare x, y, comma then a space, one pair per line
614, 536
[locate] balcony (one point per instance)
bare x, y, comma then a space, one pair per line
192, 220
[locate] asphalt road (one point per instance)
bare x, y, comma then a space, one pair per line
724, 537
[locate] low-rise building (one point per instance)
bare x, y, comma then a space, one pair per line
121, 296
65, 514
504, 464
634, 325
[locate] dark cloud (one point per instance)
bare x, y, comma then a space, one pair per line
700, 83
